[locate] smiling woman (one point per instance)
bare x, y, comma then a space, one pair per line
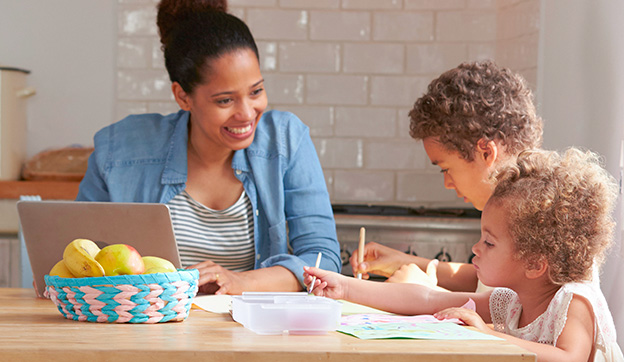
233, 175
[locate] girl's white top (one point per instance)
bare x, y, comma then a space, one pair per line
505, 309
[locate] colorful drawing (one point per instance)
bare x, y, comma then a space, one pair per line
415, 330
379, 326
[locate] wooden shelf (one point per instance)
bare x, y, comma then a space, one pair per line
55, 190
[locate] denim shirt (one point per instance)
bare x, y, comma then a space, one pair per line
143, 158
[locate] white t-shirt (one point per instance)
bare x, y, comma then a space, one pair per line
505, 309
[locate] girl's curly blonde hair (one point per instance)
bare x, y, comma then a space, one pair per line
559, 207
478, 100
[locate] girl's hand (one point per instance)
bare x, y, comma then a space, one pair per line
215, 279
467, 316
328, 284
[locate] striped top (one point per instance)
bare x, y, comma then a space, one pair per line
225, 237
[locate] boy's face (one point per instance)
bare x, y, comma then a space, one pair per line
493, 260
469, 179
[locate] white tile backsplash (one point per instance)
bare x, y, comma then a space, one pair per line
363, 186
340, 25
377, 58
309, 57
403, 26
350, 70
365, 122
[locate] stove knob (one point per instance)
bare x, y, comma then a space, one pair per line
410, 251
443, 255
344, 255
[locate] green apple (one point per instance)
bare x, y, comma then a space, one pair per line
120, 259
154, 264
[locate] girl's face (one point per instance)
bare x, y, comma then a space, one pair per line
225, 110
469, 179
494, 261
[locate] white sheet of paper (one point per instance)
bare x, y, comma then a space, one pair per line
349, 308
214, 303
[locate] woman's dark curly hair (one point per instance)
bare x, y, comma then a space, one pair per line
195, 32
478, 100
559, 208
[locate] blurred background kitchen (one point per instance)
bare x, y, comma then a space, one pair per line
351, 70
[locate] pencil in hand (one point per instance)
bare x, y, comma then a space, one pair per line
318, 263
361, 249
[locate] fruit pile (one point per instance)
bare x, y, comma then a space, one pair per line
83, 258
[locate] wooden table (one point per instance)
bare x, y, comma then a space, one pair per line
32, 329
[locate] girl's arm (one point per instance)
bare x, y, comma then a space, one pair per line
574, 344
399, 298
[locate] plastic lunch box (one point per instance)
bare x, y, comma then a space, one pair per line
293, 313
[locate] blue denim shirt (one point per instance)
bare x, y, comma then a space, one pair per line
142, 158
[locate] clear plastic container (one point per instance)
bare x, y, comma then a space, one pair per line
292, 313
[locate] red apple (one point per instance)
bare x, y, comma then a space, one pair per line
120, 259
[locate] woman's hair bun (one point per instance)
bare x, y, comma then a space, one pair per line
171, 12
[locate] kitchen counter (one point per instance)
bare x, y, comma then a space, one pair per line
32, 329
10, 192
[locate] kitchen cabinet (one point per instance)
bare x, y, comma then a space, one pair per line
10, 246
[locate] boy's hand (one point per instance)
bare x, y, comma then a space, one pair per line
378, 259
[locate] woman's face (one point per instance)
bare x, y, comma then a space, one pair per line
469, 179
226, 108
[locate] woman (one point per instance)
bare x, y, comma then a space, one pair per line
234, 177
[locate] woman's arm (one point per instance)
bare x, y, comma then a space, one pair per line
215, 279
92, 187
307, 208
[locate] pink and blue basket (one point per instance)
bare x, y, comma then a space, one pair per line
142, 298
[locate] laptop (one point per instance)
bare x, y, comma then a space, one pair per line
49, 226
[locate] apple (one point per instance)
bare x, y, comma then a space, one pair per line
120, 259
154, 264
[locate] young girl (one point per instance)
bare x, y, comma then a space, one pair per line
547, 221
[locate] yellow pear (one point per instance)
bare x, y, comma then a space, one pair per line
154, 264
60, 269
79, 258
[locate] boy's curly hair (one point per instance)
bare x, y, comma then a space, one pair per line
559, 207
478, 100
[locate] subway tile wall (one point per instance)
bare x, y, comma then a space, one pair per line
351, 70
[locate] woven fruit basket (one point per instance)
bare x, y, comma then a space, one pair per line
142, 298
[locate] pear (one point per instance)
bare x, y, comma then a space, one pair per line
79, 258
154, 264
60, 269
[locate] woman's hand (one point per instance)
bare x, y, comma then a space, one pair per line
467, 316
378, 259
327, 284
215, 279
